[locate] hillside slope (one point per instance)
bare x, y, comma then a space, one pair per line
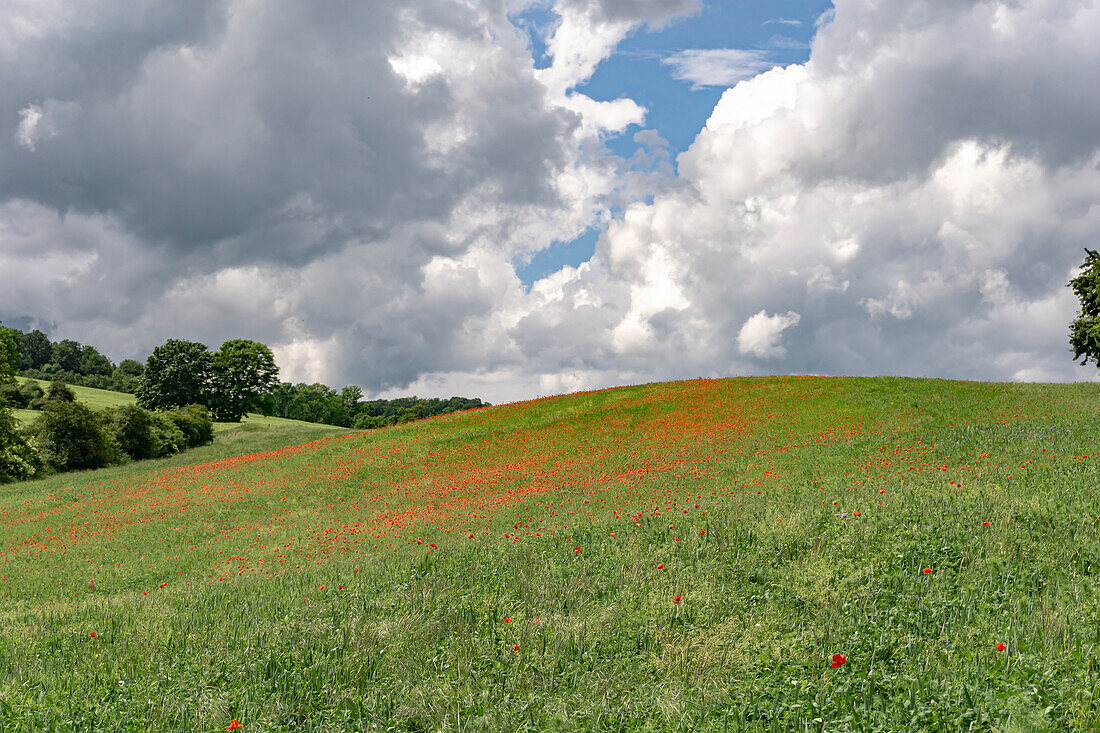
684, 555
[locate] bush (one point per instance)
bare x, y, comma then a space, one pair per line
195, 422
60, 392
18, 460
141, 434
69, 436
20, 396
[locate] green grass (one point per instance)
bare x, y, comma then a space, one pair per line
573, 503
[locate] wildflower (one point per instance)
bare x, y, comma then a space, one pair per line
677, 599
507, 620
1000, 647
576, 549
234, 725
838, 660
94, 634
927, 570
339, 587
515, 647
660, 566
322, 587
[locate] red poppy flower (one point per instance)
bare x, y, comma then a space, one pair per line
515, 647
661, 566
234, 725
927, 570
94, 634
507, 620
1000, 647
677, 599
838, 660
576, 549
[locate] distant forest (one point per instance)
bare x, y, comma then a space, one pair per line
75, 363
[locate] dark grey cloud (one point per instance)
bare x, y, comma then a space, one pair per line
205, 137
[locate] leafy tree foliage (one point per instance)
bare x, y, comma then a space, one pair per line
68, 355
21, 395
94, 363
141, 434
18, 460
243, 372
60, 392
1084, 331
9, 355
176, 374
195, 422
131, 368
35, 349
70, 436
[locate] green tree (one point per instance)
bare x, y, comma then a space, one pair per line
176, 374
66, 355
1084, 331
35, 350
243, 373
18, 460
9, 355
69, 436
60, 392
93, 362
131, 368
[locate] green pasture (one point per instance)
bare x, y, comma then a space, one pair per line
214, 589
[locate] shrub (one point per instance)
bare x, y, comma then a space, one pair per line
20, 396
18, 460
195, 422
60, 392
69, 436
141, 434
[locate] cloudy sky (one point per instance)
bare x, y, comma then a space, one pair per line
504, 199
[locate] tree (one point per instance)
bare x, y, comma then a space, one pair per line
35, 349
60, 392
9, 355
67, 354
70, 436
93, 362
131, 368
176, 374
243, 372
18, 460
1084, 331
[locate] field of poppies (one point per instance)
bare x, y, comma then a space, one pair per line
757, 554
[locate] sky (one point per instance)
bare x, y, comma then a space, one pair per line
507, 199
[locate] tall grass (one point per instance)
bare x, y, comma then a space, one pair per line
557, 614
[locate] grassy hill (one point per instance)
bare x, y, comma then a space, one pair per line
689, 555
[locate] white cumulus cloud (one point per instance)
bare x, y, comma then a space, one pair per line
760, 335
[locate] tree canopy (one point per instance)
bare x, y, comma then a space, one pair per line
243, 372
176, 374
1084, 336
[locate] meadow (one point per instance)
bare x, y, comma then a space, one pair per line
753, 554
